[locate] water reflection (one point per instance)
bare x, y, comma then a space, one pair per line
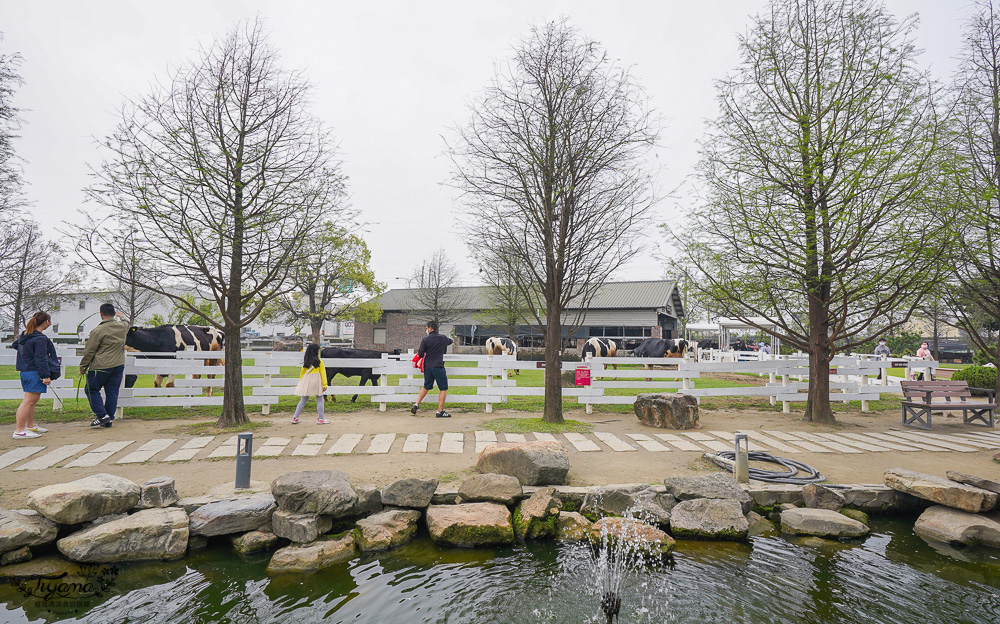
891, 576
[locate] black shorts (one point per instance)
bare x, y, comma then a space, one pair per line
436, 374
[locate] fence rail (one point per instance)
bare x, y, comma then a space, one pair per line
851, 378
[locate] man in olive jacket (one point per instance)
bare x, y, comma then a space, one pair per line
104, 365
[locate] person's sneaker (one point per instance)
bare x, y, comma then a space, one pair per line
96, 422
442, 415
107, 421
24, 435
322, 421
295, 420
414, 408
37, 429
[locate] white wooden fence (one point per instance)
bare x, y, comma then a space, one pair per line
851, 378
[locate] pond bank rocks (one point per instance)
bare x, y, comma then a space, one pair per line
19, 529
313, 556
149, 534
821, 523
85, 499
543, 462
716, 485
941, 491
709, 518
387, 529
632, 533
326, 492
234, 515
470, 524
953, 526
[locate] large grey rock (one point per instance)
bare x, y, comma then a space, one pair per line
18, 530
879, 498
535, 517
818, 496
820, 523
715, 485
369, 501
387, 529
411, 493
445, 495
769, 495
572, 527
759, 525
634, 500
190, 504
490, 488
20, 555
299, 528
667, 410
941, 491
254, 541
974, 481
149, 534
944, 524
631, 533
85, 499
159, 492
709, 518
313, 556
326, 492
533, 463
235, 515
470, 524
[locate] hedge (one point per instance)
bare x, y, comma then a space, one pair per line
977, 377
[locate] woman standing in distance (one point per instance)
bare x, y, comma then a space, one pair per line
38, 364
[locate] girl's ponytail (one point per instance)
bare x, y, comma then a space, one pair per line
38, 319
311, 359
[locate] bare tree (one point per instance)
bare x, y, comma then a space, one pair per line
225, 174
11, 196
974, 298
820, 171
34, 278
553, 175
333, 281
436, 293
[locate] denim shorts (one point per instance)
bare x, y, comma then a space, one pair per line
31, 382
436, 374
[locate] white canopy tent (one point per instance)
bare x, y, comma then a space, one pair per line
724, 326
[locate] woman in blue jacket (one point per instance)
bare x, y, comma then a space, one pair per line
38, 364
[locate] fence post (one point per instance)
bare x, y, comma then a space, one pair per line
864, 384
786, 406
120, 411
489, 380
773, 378
384, 379
589, 405
265, 408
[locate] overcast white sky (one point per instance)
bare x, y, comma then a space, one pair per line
390, 79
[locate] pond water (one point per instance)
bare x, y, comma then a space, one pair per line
891, 576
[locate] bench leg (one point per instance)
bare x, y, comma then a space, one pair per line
985, 416
919, 418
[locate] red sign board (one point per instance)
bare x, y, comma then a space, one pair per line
583, 376
539, 364
898, 364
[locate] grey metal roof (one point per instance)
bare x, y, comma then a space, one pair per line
645, 295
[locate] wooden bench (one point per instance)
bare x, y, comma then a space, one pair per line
920, 398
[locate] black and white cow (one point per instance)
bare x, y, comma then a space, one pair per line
600, 347
365, 373
498, 345
170, 339
660, 347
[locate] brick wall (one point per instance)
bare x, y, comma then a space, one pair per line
398, 333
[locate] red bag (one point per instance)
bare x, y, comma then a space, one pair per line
418, 362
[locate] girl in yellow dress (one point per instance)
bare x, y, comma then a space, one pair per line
312, 382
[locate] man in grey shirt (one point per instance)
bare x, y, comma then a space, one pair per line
882, 350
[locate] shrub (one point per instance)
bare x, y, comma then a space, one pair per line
977, 377
983, 357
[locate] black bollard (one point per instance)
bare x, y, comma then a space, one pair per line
244, 454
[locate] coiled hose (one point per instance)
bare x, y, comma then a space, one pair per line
726, 459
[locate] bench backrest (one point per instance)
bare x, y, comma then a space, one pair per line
940, 389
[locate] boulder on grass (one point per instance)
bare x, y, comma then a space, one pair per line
667, 410
18, 530
85, 499
631, 533
235, 515
410, 493
941, 491
709, 518
820, 523
326, 492
952, 526
715, 485
545, 462
159, 492
490, 488
146, 535
536, 517
470, 524
387, 529
299, 528
313, 556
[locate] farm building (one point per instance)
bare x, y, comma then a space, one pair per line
626, 312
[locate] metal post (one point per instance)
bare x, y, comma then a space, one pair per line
244, 455
742, 469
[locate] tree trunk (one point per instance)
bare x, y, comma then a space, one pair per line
553, 369
316, 327
820, 354
233, 410
997, 359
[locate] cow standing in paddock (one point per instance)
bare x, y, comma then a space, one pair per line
365, 373
169, 339
600, 347
498, 345
660, 347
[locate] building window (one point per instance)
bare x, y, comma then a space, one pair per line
83, 304
378, 336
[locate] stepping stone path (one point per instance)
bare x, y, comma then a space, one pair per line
313, 444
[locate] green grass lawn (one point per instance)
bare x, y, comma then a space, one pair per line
76, 409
